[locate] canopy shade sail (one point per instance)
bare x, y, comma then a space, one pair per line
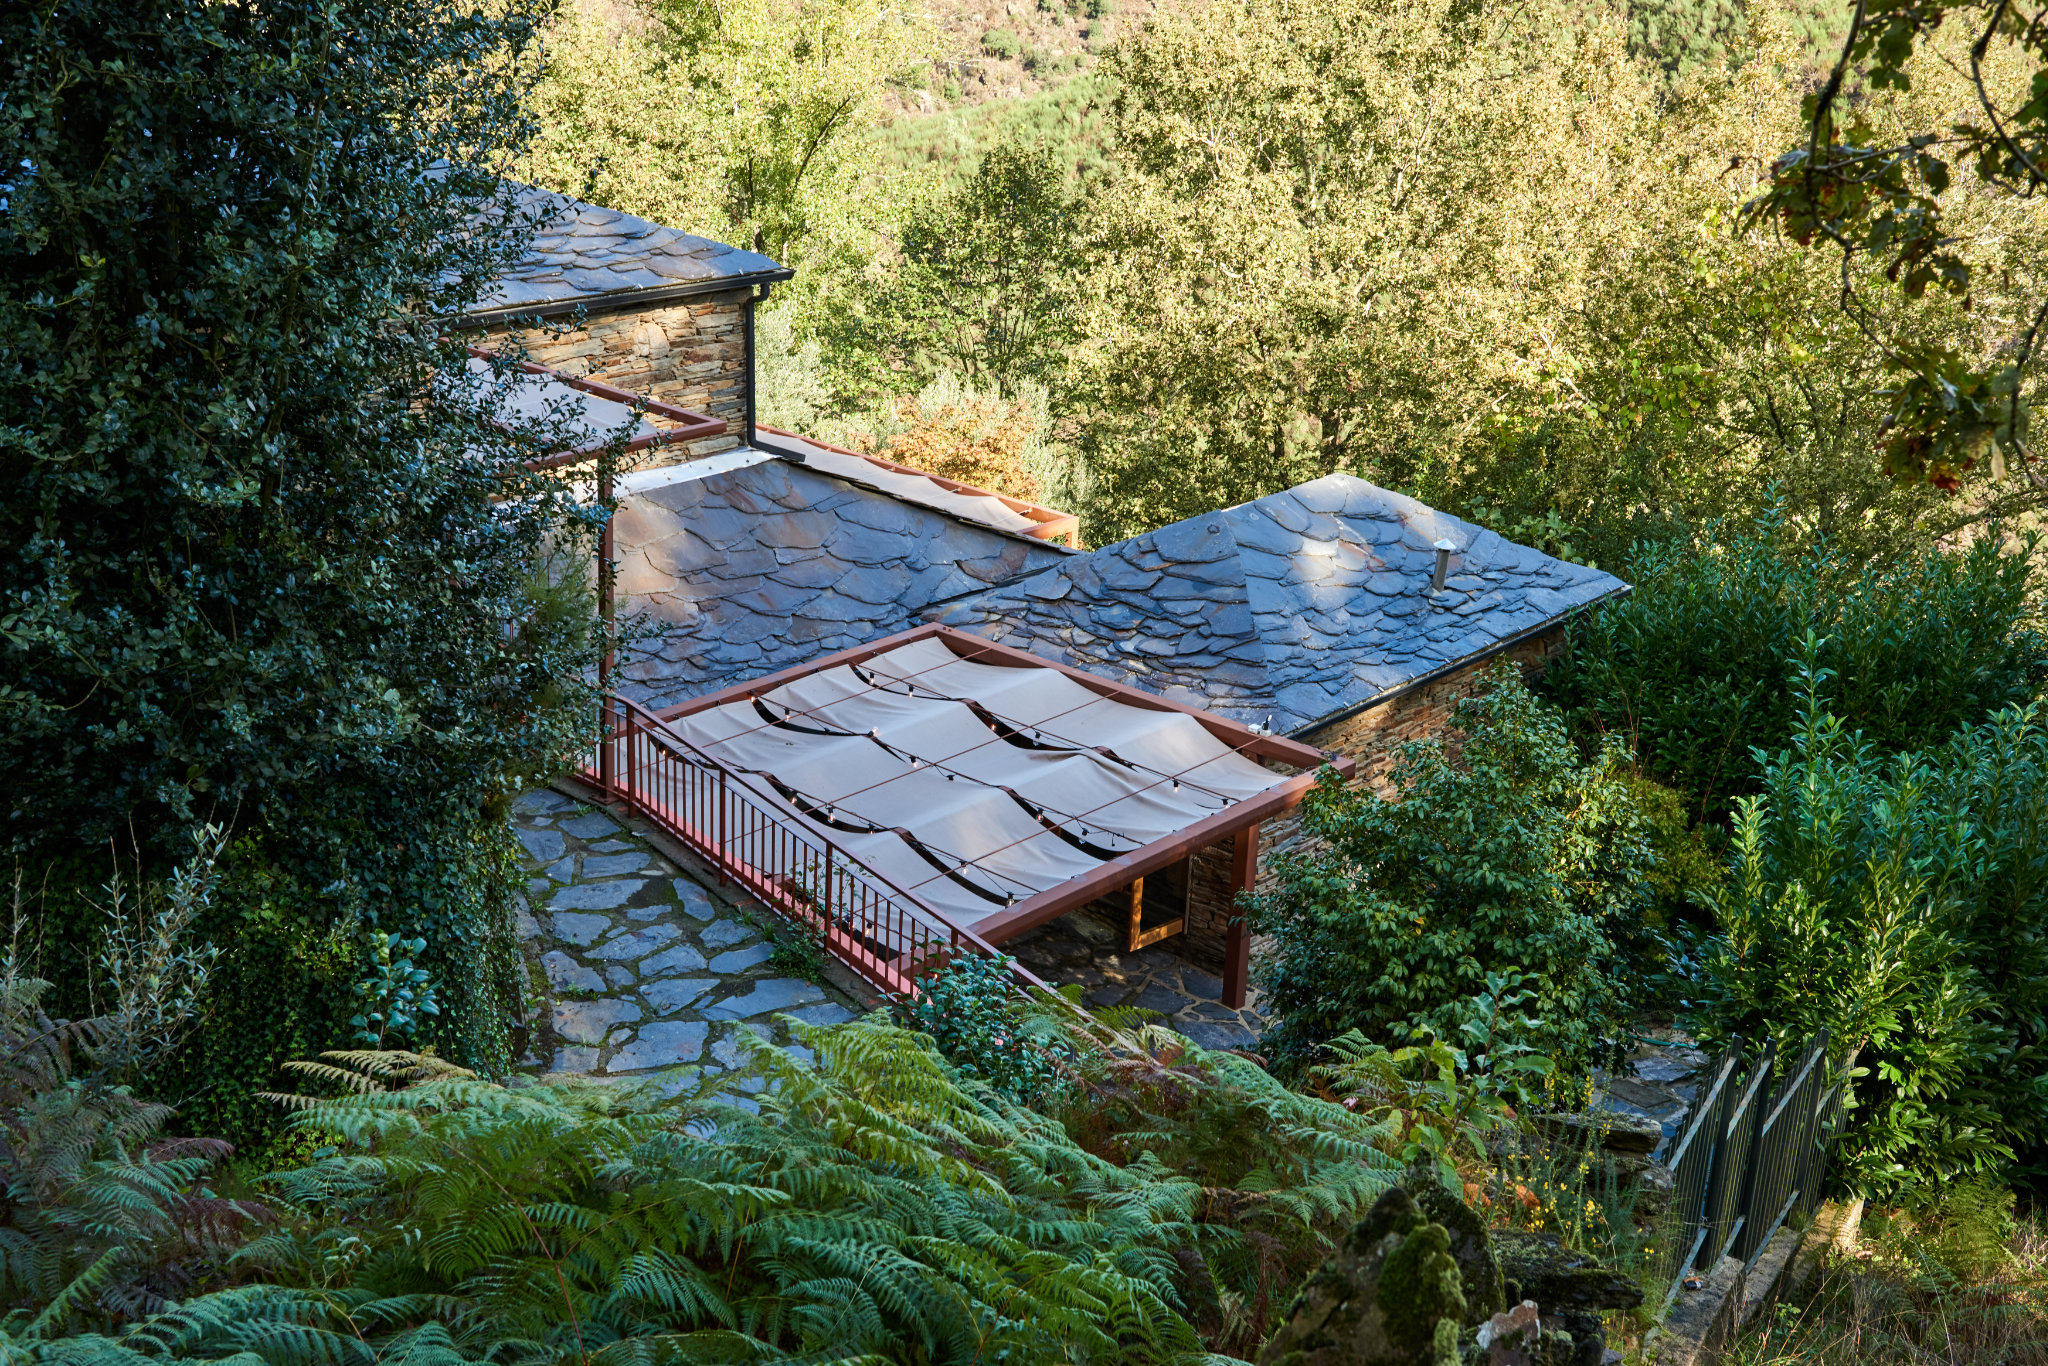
991, 788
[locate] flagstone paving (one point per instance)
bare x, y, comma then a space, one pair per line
1085, 948
642, 968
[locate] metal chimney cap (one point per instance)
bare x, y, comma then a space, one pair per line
1446, 544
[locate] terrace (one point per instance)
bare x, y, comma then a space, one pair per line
932, 794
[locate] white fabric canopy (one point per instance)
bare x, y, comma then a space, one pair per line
970, 786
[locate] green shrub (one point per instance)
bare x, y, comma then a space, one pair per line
1685, 866
1002, 42
267, 560
1901, 902
1516, 855
971, 1010
1695, 670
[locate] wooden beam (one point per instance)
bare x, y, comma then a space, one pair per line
1117, 872
1237, 944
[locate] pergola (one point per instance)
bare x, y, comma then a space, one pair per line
932, 793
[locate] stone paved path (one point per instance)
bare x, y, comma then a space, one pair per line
642, 967
1087, 948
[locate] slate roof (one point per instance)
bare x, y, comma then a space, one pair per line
1299, 607
601, 258
751, 564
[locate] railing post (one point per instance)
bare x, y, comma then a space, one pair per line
825, 895
719, 835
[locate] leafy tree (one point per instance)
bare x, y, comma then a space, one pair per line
1499, 851
1899, 902
980, 288
1888, 191
266, 554
1697, 669
1335, 237
747, 121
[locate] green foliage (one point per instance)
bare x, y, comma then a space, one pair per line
1890, 193
1448, 1098
1002, 42
978, 290
879, 1208
1697, 668
1512, 855
1900, 902
1283, 1175
971, 1010
1685, 869
267, 559
395, 994
104, 1219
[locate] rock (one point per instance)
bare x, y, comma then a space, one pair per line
722, 933
566, 974
1537, 1267
589, 1021
540, 802
1163, 999
662, 1044
628, 947
1470, 1246
739, 960
619, 975
1609, 1129
575, 1060
1390, 1296
611, 865
674, 993
829, 1013
696, 901
561, 870
1420, 1282
580, 930
777, 993
727, 1050
1216, 1036
594, 896
591, 825
542, 846
681, 958
1198, 983
527, 926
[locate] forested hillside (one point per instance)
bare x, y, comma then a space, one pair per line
1487, 258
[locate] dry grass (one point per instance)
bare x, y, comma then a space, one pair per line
1938, 1291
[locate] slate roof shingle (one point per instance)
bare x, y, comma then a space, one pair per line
599, 258
755, 564
1293, 608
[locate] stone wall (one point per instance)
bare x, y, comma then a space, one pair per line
1212, 900
1373, 737
691, 353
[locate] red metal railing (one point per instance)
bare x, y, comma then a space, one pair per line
879, 930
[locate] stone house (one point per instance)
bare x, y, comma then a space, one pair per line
1337, 613
606, 296
1335, 616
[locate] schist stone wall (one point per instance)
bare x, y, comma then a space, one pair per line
1212, 901
692, 353
1374, 737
